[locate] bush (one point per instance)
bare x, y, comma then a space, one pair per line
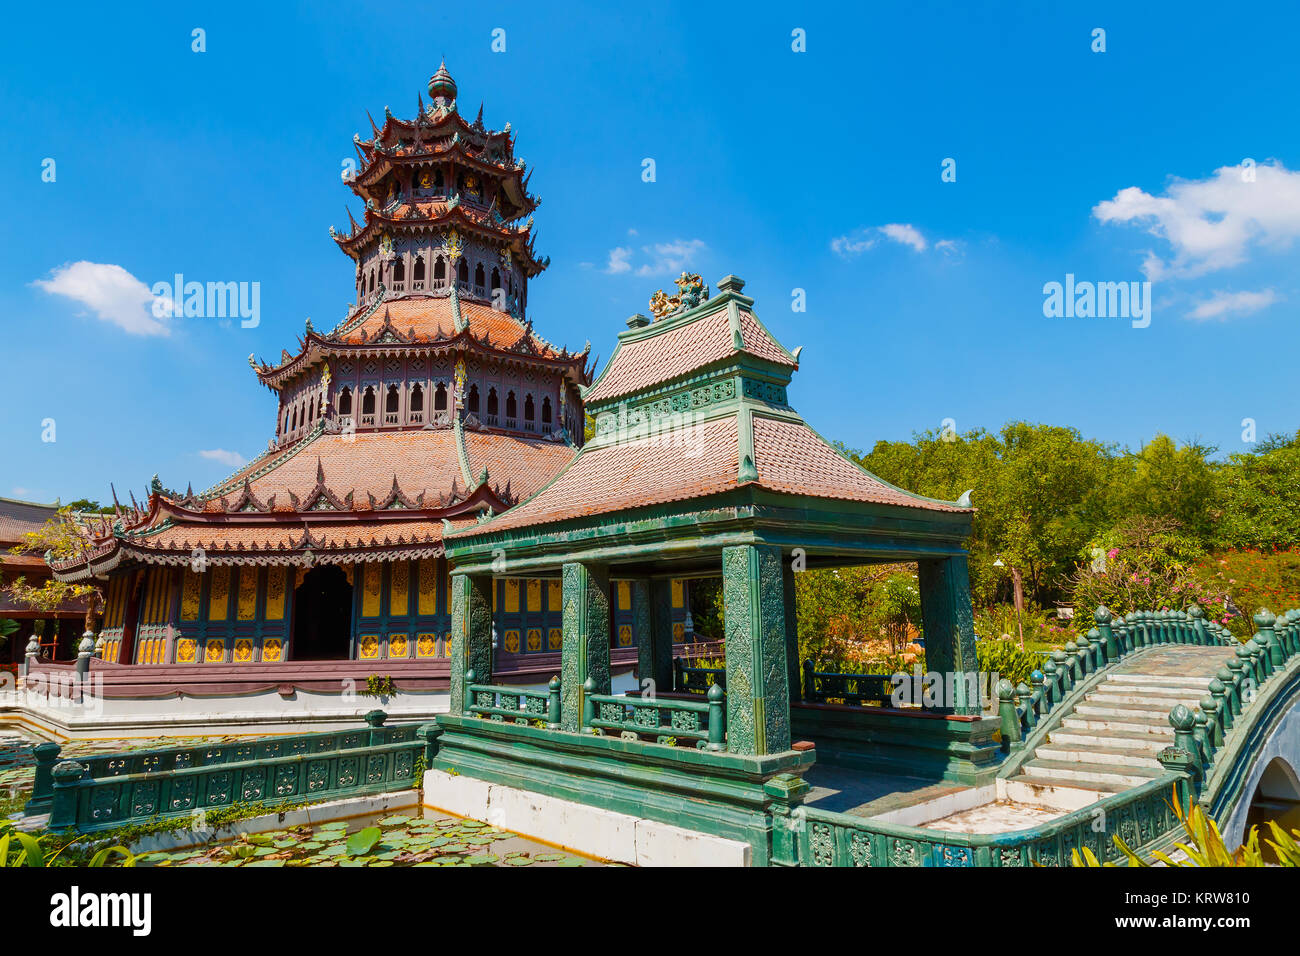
1006, 659
1249, 580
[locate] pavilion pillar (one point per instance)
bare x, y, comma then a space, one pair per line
585, 649
471, 635
754, 616
652, 610
949, 627
791, 632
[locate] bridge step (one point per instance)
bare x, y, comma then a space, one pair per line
1154, 696
1156, 726
1068, 773
1115, 738
1026, 789
1092, 753
1087, 708
1155, 680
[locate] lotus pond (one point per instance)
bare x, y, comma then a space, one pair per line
395, 840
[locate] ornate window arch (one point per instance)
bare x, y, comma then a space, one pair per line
440, 398
345, 400
462, 271
530, 412
417, 397
546, 410
368, 401
512, 407
471, 401
492, 401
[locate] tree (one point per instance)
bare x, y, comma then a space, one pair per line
1259, 499
60, 537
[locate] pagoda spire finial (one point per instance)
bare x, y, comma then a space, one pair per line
442, 88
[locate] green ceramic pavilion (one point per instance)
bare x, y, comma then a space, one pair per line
699, 466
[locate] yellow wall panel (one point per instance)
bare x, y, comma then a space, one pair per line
428, 600
275, 594
399, 584
218, 592
512, 595
534, 594
624, 595
191, 588
246, 608
370, 597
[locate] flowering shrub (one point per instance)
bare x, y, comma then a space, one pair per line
1143, 564
1249, 580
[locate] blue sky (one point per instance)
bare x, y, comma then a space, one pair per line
817, 170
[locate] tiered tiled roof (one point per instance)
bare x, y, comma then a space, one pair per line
738, 431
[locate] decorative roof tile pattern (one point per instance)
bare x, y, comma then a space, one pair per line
280, 537
680, 350
690, 463
526, 463
432, 318
793, 459
17, 518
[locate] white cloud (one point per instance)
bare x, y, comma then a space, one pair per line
904, 233
111, 292
619, 260
231, 459
1221, 305
660, 258
1212, 224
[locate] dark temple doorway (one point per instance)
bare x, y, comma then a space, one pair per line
322, 616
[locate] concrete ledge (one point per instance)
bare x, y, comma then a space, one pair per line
605, 834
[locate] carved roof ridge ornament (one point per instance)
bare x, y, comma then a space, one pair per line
691, 291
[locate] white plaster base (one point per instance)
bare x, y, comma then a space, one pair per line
604, 834
267, 712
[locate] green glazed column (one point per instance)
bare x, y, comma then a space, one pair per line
758, 674
585, 652
791, 631
949, 626
471, 634
654, 599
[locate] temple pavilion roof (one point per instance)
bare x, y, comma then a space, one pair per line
693, 406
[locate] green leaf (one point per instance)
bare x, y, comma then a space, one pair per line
363, 841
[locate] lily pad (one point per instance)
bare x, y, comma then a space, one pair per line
363, 841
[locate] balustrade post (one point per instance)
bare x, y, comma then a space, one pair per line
588, 705
717, 718
375, 721
553, 704
1039, 700
85, 651
1110, 650
1258, 657
1223, 719
1183, 722
1098, 649
1084, 655
1072, 660
1049, 683
429, 733
1010, 721
43, 780
470, 680
31, 655
1025, 707
1200, 625
1237, 666
1264, 621
809, 683
1200, 733
1062, 662
67, 777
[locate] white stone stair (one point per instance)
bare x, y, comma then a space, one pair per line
1109, 741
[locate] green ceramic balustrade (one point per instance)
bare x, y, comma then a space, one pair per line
856, 689
662, 720
510, 703
1022, 707
696, 680
132, 788
1201, 734
807, 836
162, 759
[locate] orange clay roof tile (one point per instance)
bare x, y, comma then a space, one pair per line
680, 350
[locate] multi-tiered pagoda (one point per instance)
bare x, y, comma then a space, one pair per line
432, 405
